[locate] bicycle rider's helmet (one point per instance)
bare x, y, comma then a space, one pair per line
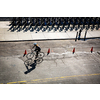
35, 43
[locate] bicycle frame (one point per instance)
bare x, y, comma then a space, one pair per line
33, 52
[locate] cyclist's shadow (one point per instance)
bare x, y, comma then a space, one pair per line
33, 65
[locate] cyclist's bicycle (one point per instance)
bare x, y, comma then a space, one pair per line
31, 55
29, 61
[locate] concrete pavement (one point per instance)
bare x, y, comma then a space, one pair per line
7, 35
61, 66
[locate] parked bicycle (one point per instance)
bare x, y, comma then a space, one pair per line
33, 53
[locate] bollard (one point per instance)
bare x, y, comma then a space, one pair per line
25, 53
73, 50
48, 51
91, 49
76, 36
85, 35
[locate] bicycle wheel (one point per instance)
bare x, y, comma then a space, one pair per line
39, 60
41, 54
30, 55
28, 62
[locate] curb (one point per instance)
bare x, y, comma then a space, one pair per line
48, 39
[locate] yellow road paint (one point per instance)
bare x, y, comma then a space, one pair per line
16, 82
48, 78
11, 82
54, 78
21, 81
36, 80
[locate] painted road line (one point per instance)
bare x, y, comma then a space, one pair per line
16, 82
53, 79
11, 82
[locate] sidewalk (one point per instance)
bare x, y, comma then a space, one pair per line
7, 35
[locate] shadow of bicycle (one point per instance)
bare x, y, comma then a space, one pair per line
29, 63
29, 70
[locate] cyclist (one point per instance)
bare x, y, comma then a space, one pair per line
37, 49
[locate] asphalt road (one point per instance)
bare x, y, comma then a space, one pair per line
61, 66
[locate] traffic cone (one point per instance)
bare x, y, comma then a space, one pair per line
48, 51
91, 49
73, 50
25, 53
